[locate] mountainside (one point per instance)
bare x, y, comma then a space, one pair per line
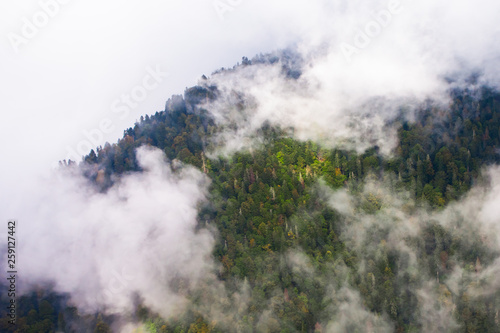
310, 236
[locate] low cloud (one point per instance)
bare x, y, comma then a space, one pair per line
109, 250
405, 53
444, 259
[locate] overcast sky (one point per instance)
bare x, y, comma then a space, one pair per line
68, 74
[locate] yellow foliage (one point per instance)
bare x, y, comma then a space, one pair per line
199, 327
267, 248
227, 262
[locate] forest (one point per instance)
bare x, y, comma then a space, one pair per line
384, 261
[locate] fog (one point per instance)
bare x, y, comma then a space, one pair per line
370, 63
106, 250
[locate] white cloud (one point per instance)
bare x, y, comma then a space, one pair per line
399, 54
106, 248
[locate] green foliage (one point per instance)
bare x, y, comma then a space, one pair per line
265, 205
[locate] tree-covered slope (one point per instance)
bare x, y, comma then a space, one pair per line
311, 235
